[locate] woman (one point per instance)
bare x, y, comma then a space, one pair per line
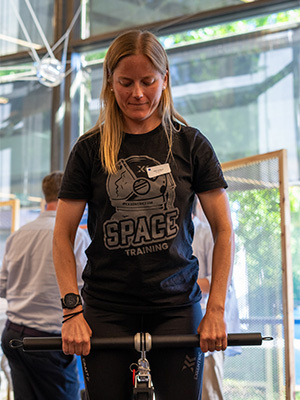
139, 170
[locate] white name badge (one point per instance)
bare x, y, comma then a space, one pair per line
158, 170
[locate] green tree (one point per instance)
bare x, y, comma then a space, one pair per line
259, 231
295, 240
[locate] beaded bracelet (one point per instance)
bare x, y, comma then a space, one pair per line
71, 315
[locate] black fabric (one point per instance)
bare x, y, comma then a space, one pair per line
140, 258
176, 373
26, 331
40, 375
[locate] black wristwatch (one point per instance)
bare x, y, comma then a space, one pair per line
71, 300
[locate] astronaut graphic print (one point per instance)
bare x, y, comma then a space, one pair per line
145, 216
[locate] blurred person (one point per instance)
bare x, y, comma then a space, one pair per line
138, 170
203, 245
28, 282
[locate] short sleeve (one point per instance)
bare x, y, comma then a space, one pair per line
76, 182
207, 171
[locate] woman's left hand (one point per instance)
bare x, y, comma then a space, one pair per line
212, 331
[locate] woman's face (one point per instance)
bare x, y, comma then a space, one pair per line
138, 86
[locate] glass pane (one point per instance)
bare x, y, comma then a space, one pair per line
25, 142
5, 227
9, 222
16, 35
104, 17
242, 93
86, 87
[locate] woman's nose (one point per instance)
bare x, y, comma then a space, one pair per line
137, 91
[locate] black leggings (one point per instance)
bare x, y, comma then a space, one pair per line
176, 373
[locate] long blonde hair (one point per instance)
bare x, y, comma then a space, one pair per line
110, 121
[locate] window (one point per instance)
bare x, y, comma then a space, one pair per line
18, 30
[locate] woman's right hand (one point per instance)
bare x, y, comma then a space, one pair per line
76, 335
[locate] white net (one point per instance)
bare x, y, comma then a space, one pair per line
258, 373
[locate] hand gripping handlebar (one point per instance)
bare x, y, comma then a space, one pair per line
141, 342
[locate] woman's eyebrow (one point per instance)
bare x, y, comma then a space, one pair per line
130, 79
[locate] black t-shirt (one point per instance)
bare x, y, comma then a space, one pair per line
140, 258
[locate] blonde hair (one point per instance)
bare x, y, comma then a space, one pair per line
110, 122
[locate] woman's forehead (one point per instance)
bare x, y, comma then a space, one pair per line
135, 64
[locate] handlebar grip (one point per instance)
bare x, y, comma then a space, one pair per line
233, 339
55, 343
127, 342
42, 343
244, 339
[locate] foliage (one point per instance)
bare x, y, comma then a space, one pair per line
12, 71
234, 28
258, 230
99, 55
295, 240
207, 33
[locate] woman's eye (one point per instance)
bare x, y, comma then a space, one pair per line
148, 82
125, 83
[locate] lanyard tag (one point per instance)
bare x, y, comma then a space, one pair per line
158, 170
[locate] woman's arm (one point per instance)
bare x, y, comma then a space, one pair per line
75, 333
212, 328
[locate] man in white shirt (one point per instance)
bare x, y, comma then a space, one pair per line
203, 245
28, 282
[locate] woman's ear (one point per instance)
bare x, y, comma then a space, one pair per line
166, 80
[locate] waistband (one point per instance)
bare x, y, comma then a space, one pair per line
26, 331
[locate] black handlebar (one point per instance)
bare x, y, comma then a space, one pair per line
233, 339
55, 343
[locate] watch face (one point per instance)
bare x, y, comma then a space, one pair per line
71, 300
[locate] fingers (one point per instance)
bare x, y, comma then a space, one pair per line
80, 344
212, 340
79, 347
212, 331
208, 344
76, 335
221, 345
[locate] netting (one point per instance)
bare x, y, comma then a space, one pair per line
258, 373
